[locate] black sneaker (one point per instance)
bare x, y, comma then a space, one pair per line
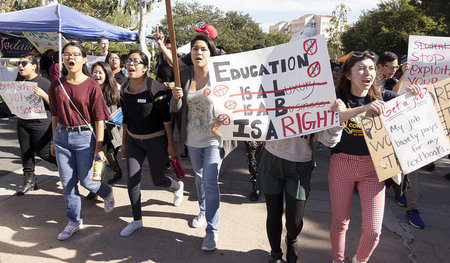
254, 195
429, 167
276, 257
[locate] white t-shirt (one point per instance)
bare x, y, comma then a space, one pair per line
200, 120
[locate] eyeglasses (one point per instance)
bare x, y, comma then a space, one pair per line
392, 67
74, 55
133, 61
23, 63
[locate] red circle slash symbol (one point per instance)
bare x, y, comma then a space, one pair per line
206, 92
220, 90
314, 69
231, 104
225, 119
310, 46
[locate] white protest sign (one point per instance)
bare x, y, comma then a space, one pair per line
415, 130
429, 59
44, 41
273, 93
22, 101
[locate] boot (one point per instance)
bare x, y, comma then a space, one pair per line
29, 183
292, 250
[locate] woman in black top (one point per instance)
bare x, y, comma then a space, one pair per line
351, 165
147, 133
34, 134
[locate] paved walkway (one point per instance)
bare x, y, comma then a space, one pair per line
30, 224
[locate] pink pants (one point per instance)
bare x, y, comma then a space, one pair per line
346, 172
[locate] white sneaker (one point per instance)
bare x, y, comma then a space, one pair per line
178, 195
131, 227
109, 202
69, 230
199, 220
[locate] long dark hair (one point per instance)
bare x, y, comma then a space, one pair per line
209, 42
31, 59
110, 86
84, 69
344, 84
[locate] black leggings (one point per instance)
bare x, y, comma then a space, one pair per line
34, 137
294, 218
155, 150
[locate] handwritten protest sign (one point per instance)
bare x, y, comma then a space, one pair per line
379, 145
274, 93
440, 93
44, 41
22, 101
430, 60
415, 130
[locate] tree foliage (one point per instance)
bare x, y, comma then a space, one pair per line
275, 38
335, 31
187, 16
389, 26
237, 32
439, 9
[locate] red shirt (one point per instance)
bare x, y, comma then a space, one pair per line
87, 97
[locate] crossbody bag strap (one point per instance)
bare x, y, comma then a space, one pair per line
81, 115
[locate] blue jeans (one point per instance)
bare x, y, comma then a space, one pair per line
75, 157
206, 165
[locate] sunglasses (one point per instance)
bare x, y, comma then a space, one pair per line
23, 63
360, 54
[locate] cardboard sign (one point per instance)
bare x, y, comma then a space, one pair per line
429, 59
379, 145
440, 94
273, 93
415, 130
44, 41
22, 101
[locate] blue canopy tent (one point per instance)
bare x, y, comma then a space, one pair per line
62, 19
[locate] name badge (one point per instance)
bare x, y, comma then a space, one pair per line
142, 101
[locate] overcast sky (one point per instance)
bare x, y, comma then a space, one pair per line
269, 12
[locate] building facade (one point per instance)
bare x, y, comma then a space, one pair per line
320, 23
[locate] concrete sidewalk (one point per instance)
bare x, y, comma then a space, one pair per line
30, 224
